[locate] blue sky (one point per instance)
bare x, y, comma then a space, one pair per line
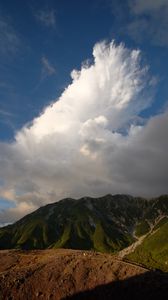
41, 42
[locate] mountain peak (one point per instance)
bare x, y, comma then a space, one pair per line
106, 224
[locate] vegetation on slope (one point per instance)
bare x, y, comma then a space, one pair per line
142, 228
153, 252
101, 224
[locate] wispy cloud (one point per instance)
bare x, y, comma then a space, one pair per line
47, 68
46, 17
150, 21
149, 6
5, 113
7, 117
9, 40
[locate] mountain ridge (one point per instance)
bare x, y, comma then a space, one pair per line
106, 224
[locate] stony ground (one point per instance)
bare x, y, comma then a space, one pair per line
69, 274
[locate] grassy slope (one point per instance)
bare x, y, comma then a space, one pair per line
142, 228
153, 252
73, 230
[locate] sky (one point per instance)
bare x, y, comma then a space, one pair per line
83, 101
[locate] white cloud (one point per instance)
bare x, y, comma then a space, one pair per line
46, 17
76, 146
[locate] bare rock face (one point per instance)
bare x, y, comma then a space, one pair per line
69, 274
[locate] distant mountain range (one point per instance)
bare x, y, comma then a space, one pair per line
106, 224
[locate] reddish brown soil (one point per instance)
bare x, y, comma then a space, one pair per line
60, 274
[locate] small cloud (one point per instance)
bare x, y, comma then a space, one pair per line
7, 118
46, 17
150, 21
149, 6
5, 113
47, 68
9, 40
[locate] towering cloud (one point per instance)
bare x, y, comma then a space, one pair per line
90, 141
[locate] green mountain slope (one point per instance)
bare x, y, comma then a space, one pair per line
153, 252
106, 224
84, 224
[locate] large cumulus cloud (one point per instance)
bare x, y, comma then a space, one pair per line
91, 140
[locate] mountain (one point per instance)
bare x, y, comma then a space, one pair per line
106, 224
153, 252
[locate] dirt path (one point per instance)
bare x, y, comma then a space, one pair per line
132, 247
139, 240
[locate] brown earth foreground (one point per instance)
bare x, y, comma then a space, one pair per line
69, 274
